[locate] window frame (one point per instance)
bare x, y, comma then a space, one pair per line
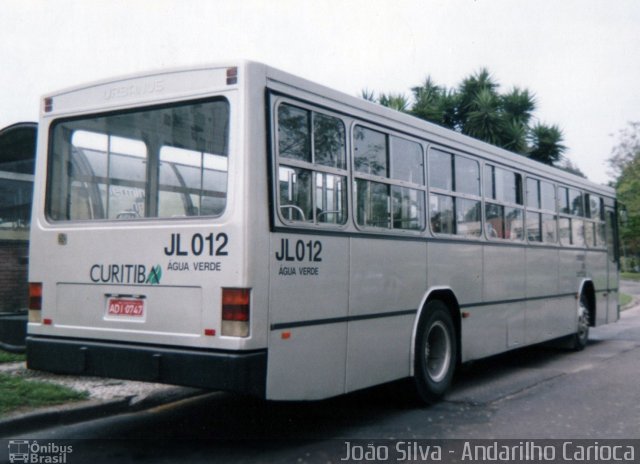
387, 180
540, 210
565, 204
596, 223
314, 168
488, 199
385, 184
152, 183
453, 193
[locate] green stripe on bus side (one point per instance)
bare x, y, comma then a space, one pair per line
337, 320
361, 317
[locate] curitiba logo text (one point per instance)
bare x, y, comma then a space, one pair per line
125, 274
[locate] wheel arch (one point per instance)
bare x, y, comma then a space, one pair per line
448, 297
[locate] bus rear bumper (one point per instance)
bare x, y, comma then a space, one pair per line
242, 372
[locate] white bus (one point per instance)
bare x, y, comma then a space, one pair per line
235, 227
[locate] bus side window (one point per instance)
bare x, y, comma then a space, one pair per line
295, 193
312, 175
451, 177
504, 210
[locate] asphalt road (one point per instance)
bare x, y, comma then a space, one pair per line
631, 287
533, 393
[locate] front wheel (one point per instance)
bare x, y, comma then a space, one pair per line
436, 352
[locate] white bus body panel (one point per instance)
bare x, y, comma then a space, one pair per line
458, 266
543, 319
310, 361
387, 276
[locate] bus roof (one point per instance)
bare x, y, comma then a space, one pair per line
284, 82
433, 132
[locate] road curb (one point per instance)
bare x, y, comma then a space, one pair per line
67, 413
70, 413
138, 403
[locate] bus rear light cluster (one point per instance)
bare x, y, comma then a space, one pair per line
35, 302
236, 304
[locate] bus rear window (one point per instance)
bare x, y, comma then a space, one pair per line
158, 162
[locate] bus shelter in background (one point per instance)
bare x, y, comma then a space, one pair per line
17, 152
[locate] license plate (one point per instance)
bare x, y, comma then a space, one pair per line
125, 307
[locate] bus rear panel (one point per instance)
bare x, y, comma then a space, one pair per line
137, 247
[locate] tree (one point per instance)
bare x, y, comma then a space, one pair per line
567, 165
434, 103
478, 109
625, 164
368, 95
627, 150
518, 105
514, 136
395, 101
477, 95
482, 118
546, 144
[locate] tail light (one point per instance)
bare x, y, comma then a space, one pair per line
235, 312
35, 302
232, 76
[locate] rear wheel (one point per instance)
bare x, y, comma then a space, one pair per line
581, 337
436, 352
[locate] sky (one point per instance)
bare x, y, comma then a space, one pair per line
581, 58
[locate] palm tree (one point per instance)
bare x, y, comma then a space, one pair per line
518, 105
517, 108
368, 95
434, 103
468, 92
483, 119
514, 136
546, 143
476, 108
395, 101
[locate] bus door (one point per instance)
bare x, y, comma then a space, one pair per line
613, 261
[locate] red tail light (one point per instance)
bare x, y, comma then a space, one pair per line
236, 303
35, 296
35, 302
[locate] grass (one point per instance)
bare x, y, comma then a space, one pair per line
630, 275
625, 299
10, 357
16, 393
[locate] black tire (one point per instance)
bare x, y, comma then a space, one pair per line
579, 340
435, 353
